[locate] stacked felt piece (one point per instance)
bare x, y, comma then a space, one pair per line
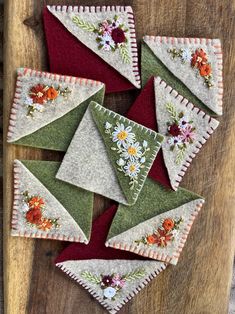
138, 160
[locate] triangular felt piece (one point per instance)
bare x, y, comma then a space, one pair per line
97, 259
128, 149
157, 225
47, 208
196, 62
185, 126
48, 108
105, 44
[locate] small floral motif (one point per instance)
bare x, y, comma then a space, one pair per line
180, 132
198, 59
40, 95
113, 284
164, 234
131, 153
111, 35
33, 208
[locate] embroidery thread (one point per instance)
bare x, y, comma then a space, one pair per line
112, 284
131, 153
180, 132
34, 208
164, 234
198, 60
111, 35
41, 94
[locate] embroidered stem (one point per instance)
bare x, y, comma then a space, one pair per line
124, 54
89, 27
136, 274
90, 277
180, 155
171, 109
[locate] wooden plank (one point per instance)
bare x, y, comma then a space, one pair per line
200, 282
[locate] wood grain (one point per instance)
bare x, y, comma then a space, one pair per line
201, 280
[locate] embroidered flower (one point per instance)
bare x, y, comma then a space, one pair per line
121, 162
38, 93
109, 293
142, 160
52, 93
199, 58
183, 122
205, 70
34, 216
36, 202
174, 129
188, 134
133, 151
151, 239
145, 144
107, 280
118, 281
105, 27
28, 101
168, 224
186, 55
163, 237
123, 135
132, 169
106, 42
108, 125
118, 35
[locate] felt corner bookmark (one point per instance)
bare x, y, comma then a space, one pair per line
120, 154
94, 42
186, 129
193, 66
45, 207
157, 225
48, 107
111, 276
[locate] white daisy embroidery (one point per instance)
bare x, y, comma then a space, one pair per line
123, 135
132, 169
133, 151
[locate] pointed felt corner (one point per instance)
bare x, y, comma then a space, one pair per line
158, 224
193, 66
186, 129
46, 208
47, 108
112, 60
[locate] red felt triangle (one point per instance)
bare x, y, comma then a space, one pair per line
143, 112
96, 248
67, 55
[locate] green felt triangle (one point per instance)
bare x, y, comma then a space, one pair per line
152, 66
102, 117
78, 202
58, 134
153, 200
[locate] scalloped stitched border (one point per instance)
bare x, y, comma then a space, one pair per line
21, 72
116, 9
215, 43
198, 145
172, 259
101, 300
16, 209
146, 130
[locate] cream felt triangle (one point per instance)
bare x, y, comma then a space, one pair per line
196, 68
112, 282
28, 116
87, 19
186, 129
161, 237
37, 213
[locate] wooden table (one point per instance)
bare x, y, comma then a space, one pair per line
200, 282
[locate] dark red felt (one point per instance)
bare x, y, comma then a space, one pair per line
143, 112
68, 56
96, 248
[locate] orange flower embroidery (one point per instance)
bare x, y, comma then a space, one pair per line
205, 70
52, 93
151, 239
199, 58
36, 202
168, 224
45, 225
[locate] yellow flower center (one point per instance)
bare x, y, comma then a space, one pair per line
122, 135
39, 94
132, 151
132, 168
36, 203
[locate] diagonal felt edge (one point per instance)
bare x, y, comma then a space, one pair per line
17, 170
118, 242
212, 124
153, 269
115, 9
21, 72
215, 43
131, 197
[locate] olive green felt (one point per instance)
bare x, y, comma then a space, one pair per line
78, 202
102, 115
152, 66
153, 200
58, 134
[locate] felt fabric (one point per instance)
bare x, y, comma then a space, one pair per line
181, 66
75, 52
55, 125
37, 213
101, 175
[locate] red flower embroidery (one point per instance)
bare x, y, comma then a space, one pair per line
163, 237
34, 216
118, 35
39, 94
36, 202
174, 130
199, 58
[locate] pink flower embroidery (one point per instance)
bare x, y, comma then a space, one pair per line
118, 281
106, 27
188, 134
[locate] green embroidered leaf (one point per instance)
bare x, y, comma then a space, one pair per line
90, 277
136, 274
171, 109
89, 27
180, 155
124, 54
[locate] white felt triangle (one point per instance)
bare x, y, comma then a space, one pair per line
94, 16
87, 165
135, 239
21, 124
204, 126
211, 97
84, 271
68, 229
